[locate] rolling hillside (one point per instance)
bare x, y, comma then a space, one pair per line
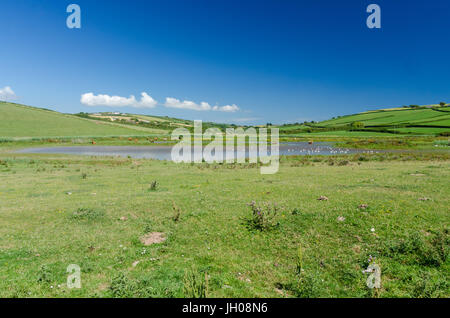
148, 121
20, 121
412, 121
24, 121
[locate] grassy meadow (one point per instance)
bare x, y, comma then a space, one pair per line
93, 212
148, 228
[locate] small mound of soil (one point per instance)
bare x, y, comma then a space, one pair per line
153, 238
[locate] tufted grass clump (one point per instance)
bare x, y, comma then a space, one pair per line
299, 261
153, 186
430, 251
87, 214
121, 286
195, 284
44, 274
176, 212
264, 216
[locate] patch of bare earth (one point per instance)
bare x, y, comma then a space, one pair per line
153, 238
103, 286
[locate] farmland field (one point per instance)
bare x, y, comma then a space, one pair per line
386, 122
389, 117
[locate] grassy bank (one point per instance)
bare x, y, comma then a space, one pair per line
94, 212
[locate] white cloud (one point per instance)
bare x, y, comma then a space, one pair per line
245, 119
89, 99
227, 108
176, 103
146, 101
6, 93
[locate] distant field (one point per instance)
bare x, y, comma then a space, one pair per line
23, 121
444, 121
164, 119
422, 130
386, 122
390, 117
346, 133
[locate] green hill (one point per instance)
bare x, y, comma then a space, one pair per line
155, 122
25, 121
421, 120
20, 121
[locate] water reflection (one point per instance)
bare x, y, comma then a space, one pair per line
164, 152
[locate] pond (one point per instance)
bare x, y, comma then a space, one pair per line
164, 152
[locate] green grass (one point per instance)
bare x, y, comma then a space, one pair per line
93, 211
24, 121
386, 122
21, 122
443, 122
346, 133
422, 130
390, 117
59, 210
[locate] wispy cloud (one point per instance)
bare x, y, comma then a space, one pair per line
245, 119
89, 99
6, 93
203, 106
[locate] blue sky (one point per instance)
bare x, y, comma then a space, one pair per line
277, 61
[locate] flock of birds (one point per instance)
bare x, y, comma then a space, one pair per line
322, 150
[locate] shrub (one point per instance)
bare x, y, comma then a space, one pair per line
264, 217
357, 124
363, 158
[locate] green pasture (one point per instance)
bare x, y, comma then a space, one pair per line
392, 210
